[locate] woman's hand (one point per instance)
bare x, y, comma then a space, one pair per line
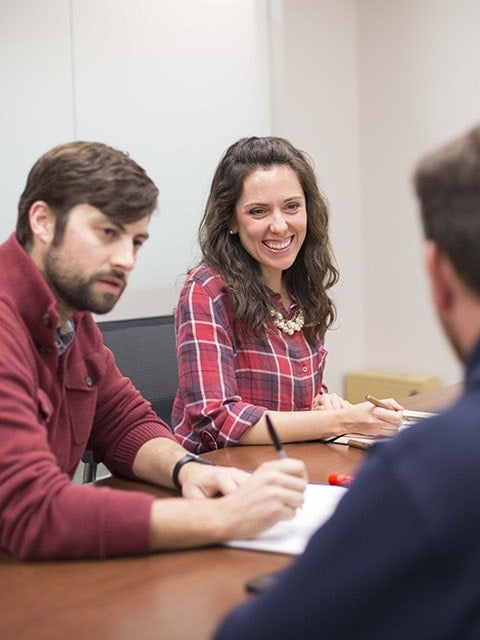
324, 401
367, 419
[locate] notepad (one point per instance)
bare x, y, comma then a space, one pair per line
292, 536
410, 417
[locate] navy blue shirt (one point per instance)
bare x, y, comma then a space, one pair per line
400, 558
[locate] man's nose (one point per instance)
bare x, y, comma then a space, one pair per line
124, 255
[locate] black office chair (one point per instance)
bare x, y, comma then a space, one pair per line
145, 352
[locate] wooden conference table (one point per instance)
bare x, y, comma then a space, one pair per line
173, 595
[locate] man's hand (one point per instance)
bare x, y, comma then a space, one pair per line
251, 503
273, 492
202, 481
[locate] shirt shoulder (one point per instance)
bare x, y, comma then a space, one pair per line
203, 292
204, 275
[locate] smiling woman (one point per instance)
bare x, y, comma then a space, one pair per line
252, 316
271, 223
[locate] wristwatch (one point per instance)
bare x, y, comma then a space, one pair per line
189, 457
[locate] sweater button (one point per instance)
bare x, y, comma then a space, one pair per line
88, 380
47, 320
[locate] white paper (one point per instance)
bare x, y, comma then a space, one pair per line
292, 536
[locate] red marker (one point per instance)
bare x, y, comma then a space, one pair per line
340, 479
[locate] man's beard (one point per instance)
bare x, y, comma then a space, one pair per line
76, 291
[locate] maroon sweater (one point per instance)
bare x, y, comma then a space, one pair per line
51, 408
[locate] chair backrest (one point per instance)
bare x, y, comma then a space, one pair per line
145, 352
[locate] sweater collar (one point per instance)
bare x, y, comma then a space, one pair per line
26, 286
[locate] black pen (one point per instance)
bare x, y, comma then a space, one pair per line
273, 435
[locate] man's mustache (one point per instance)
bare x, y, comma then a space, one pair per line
117, 275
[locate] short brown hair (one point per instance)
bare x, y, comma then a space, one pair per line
86, 173
447, 183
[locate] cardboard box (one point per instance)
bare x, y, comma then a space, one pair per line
386, 385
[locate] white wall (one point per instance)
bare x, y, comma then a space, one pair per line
35, 92
173, 82
419, 85
367, 87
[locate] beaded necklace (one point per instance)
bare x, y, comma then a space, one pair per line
288, 326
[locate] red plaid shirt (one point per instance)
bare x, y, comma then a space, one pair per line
225, 386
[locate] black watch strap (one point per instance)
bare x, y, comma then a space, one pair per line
190, 457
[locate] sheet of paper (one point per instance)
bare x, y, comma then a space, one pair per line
413, 416
369, 440
291, 536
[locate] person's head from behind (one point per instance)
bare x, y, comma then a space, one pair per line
447, 183
82, 217
266, 222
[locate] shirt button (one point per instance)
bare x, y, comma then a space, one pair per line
305, 369
88, 380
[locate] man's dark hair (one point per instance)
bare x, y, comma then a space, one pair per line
447, 183
86, 173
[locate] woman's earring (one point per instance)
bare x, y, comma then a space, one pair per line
231, 232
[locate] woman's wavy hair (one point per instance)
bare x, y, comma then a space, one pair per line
313, 272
